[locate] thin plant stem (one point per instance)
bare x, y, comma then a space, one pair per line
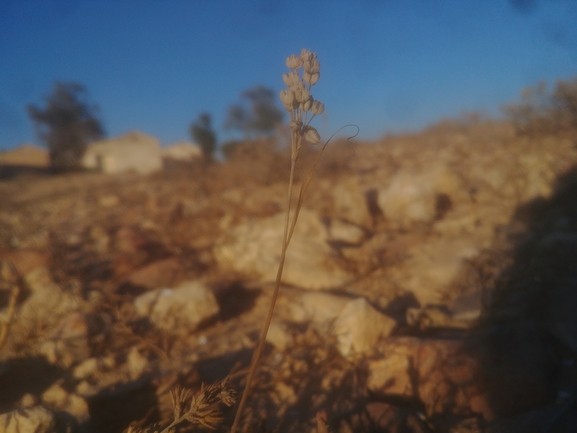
5, 327
258, 351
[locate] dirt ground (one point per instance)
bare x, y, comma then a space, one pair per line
464, 235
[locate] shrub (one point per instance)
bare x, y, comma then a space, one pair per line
542, 111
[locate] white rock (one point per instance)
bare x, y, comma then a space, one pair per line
180, 309
359, 327
316, 307
36, 420
59, 399
136, 363
92, 366
350, 201
412, 196
254, 248
342, 231
431, 267
68, 343
278, 335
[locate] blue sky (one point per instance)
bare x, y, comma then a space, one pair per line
387, 66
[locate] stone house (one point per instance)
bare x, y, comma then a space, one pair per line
182, 151
134, 151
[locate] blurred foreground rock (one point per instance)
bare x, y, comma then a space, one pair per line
36, 420
178, 310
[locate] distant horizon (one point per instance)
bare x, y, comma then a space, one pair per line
385, 66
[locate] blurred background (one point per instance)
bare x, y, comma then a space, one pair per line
156, 67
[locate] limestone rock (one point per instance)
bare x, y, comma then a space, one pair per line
351, 203
278, 335
359, 327
345, 233
254, 248
180, 309
91, 367
68, 343
136, 363
438, 262
48, 305
317, 307
57, 398
415, 197
37, 419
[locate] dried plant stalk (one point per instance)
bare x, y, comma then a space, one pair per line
299, 102
5, 327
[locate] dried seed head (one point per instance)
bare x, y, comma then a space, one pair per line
311, 135
305, 54
306, 105
312, 66
288, 99
317, 108
302, 94
296, 125
311, 79
290, 78
294, 62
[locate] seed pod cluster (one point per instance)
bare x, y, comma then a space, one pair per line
297, 98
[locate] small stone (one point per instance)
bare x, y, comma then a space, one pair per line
278, 335
136, 363
59, 399
68, 343
39, 279
28, 401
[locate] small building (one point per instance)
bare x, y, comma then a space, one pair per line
182, 151
134, 151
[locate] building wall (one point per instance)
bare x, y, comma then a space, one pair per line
134, 151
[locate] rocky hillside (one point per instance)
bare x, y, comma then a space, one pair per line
430, 286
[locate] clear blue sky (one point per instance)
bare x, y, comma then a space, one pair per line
385, 65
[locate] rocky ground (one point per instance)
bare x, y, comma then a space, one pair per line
431, 286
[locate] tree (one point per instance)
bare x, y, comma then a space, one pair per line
67, 124
203, 134
257, 114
